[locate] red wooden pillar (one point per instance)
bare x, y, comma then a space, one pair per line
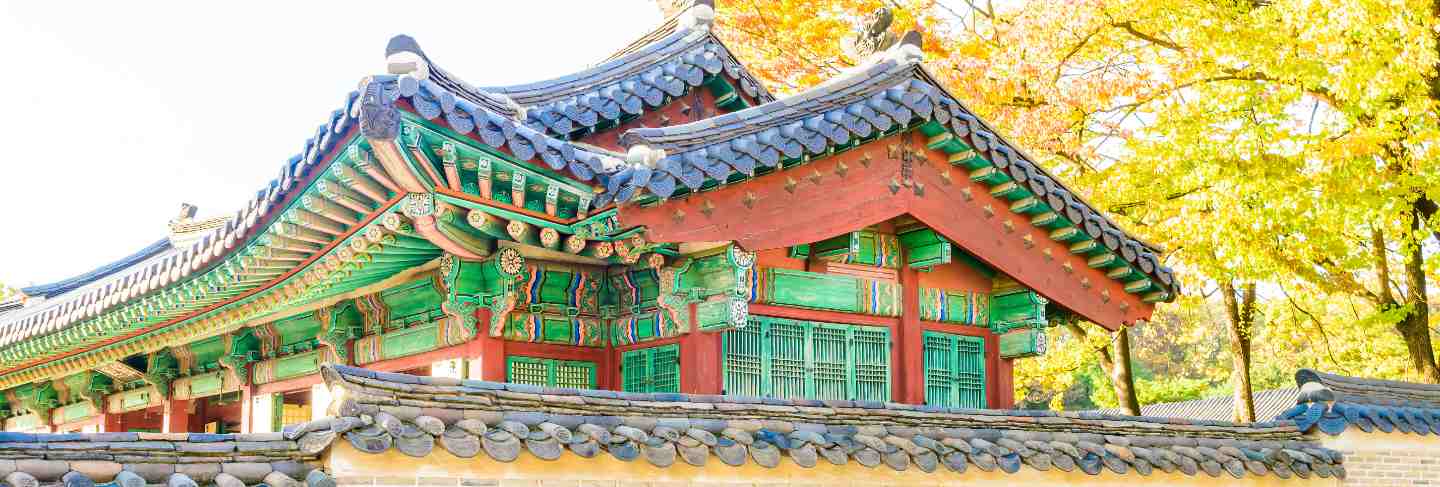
177, 416
700, 361
490, 351
110, 423
910, 365
1004, 384
607, 370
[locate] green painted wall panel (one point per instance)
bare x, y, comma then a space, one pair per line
813, 290
135, 399
297, 365
206, 384
410, 341
73, 412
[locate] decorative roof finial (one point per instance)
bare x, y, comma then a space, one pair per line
872, 35
187, 213
699, 16
403, 56
643, 155
185, 228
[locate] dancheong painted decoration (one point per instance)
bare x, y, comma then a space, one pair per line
658, 223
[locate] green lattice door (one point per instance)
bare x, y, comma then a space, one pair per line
774, 357
954, 370
550, 372
654, 369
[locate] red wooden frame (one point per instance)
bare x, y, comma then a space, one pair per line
802, 204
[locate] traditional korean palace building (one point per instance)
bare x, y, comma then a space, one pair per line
651, 258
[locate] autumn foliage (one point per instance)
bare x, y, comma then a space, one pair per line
1288, 148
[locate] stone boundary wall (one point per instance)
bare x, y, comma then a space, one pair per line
1387, 459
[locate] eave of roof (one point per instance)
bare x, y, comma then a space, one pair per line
66, 285
383, 96
891, 93
1331, 403
659, 67
174, 459
160, 271
1269, 404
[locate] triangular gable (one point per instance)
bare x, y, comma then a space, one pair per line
880, 142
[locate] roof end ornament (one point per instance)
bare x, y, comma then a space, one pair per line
403, 56
871, 35
643, 155
699, 16
873, 40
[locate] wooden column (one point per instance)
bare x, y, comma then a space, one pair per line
700, 361
1004, 378
492, 359
177, 416
700, 371
909, 384
111, 423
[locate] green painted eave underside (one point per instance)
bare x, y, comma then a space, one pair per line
360, 274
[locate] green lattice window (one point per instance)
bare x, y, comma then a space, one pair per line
654, 369
550, 372
954, 370
775, 357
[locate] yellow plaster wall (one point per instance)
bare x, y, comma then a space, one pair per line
355, 468
1387, 459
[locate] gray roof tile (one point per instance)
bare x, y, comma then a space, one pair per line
634, 426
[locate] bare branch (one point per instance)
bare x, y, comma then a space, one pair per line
1129, 27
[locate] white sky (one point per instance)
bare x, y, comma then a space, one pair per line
116, 112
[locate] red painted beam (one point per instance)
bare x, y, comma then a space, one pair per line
852, 190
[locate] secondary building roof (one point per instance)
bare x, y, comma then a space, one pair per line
1268, 404
1332, 403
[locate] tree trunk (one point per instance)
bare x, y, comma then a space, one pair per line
1415, 326
1121, 379
1122, 382
1240, 307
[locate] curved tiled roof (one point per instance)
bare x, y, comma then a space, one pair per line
666, 64
1268, 404
433, 101
890, 93
122, 284
644, 79
432, 97
176, 460
66, 285
1331, 403
415, 414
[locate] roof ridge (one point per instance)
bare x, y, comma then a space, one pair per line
367, 382
465, 417
65, 285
